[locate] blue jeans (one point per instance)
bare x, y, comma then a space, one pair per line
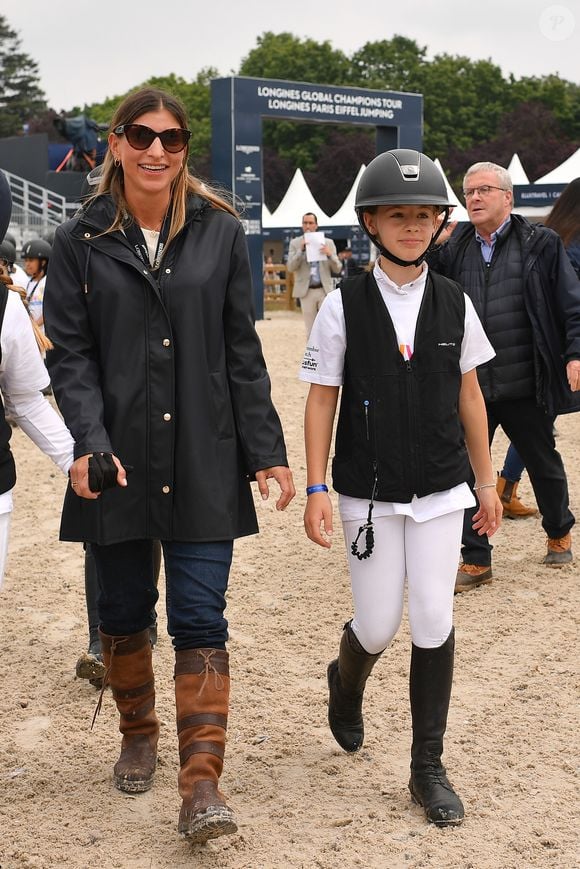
196, 580
513, 467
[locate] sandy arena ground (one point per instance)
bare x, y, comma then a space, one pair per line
301, 803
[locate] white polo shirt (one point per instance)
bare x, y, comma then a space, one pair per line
22, 377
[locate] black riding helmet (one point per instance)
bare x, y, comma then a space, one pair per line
401, 177
8, 252
36, 248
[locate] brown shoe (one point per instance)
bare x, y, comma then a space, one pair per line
559, 551
206, 815
471, 575
512, 506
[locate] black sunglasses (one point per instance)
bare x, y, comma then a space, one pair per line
140, 137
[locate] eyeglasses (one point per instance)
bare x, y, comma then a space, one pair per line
484, 190
141, 137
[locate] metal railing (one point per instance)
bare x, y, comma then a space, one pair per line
35, 209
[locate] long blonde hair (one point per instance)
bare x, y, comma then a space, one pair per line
111, 177
43, 343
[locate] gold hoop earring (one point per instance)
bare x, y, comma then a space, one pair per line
117, 162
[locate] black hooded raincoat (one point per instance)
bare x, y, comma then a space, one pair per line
164, 371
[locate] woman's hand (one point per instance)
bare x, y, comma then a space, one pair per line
283, 477
79, 477
573, 374
488, 518
318, 518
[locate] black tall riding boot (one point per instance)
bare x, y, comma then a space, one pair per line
347, 676
430, 690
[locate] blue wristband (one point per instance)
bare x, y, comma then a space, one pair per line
320, 487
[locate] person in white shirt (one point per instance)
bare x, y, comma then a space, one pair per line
23, 376
36, 254
403, 344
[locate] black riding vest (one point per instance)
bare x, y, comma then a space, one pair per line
7, 466
398, 420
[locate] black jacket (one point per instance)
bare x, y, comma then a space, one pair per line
168, 374
551, 293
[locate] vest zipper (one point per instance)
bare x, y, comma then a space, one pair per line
486, 279
414, 445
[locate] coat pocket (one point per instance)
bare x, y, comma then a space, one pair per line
222, 405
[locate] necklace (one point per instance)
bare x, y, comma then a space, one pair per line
156, 224
150, 225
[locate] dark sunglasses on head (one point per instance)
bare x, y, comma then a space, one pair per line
140, 137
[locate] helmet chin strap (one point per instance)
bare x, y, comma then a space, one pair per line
420, 259
395, 259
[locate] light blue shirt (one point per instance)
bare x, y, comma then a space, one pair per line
487, 247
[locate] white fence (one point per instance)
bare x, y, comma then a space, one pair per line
35, 210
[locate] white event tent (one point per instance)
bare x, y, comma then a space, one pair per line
346, 215
519, 176
297, 200
517, 171
459, 211
564, 173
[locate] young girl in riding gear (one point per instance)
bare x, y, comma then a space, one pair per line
403, 344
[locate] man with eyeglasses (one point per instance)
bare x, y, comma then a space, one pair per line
527, 296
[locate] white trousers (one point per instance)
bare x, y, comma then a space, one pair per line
426, 554
4, 536
310, 304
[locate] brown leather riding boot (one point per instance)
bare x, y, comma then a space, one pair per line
512, 506
202, 690
130, 675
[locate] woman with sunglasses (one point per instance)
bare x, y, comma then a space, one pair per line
158, 370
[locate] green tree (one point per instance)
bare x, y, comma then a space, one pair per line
21, 97
287, 57
560, 96
517, 132
341, 159
395, 64
463, 101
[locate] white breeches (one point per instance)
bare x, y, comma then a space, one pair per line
426, 554
4, 535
